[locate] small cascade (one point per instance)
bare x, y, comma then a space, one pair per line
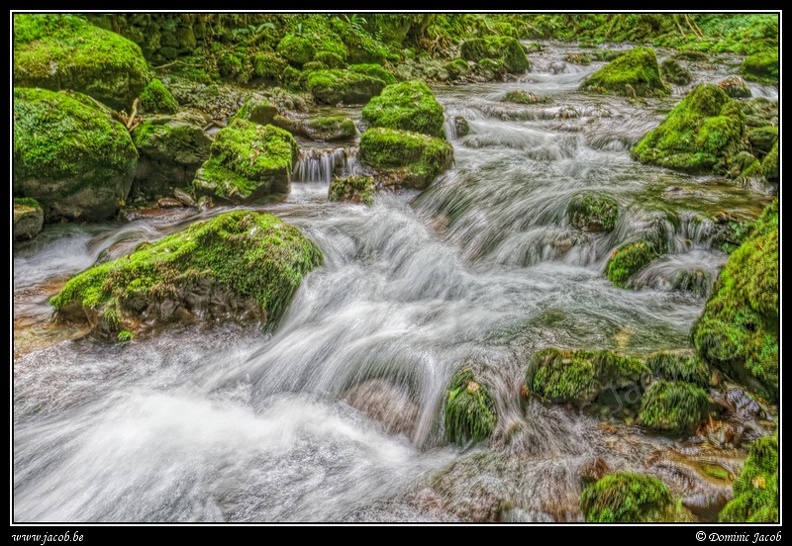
320, 164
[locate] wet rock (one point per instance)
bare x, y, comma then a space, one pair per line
735, 87
28, 218
385, 403
674, 73
355, 189
461, 126
593, 471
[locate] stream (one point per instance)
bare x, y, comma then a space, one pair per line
336, 416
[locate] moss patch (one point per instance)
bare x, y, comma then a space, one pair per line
28, 218
409, 106
756, 489
330, 128
636, 73
470, 413
762, 66
627, 260
623, 497
214, 268
357, 189
675, 407
258, 110
673, 72
156, 99
505, 49
592, 212
679, 366
770, 165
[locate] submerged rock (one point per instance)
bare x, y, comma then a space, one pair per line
243, 266
675, 73
629, 259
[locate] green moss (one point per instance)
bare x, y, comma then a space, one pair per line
70, 155
258, 110
409, 106
770, 165
756, 489
415, 158
25, 204
470, 413
502, 48
296, 49
762, 66
330, 60
593, 212
456, 68
124, 336
675, 407
634, 73
247, 161
234, 66
268, 66
56, 52
673, 72
762, 139
156, 99
330, 128
679, 366
627, 260
738, 331
624, 497
333, 86
375, 71
357, 189
241, 254
173, 139
523, 97
707, 126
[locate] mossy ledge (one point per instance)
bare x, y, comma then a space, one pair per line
241, 266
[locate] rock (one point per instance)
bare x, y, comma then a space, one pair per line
404, 158
705, 128
184, 198
296, 49
470, 413
386, 404
55, 52
375, 71
505, 49
169, 203
624, 497
247, 161
594, 470
28, 218
674, 407
762, 66
636, 73
461, 126
673, 72
408, 106
258, 110
770, 165
334, 86
756, 489
356, 189
157, 99
70, 155
592, 212
735, 87
523, 97
629, 259
762, 139
330, 128
241, 265
679, 366
172, 148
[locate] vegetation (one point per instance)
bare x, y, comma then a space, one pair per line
409, 106
470, 414
676, 407
756, 489
623, 497
627, 260
156, 99
357, 189
634, 74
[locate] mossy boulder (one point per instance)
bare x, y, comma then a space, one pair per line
404, 158
579, 377
268, 66
57, 52
770, 165
673, 72
762, 66
258, 110
762, 139
636, 73
593, 212
28, 218
356, 189
333, 86
157, 99
735, 87
409, 106
756, 489
171, 148
296, 49
739, 329
70, 155
623, 497
470, 412
629, 259
702, 130
248, 161
457, 68
502, 48
679, 366
330, 128
674, 407
524, 97
241, 265
375, 71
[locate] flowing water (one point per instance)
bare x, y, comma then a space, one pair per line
337, 414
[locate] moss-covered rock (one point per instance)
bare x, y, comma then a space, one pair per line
57, 52
629, 259
28, 218
268, 66
248, 161
759, 112
636, 73
409, 106
624, 497
756, 489
470, 412
674, 407
524, 97
770, 165
593, 212
735, 87
330, 128
762, 66
258, 110
703, 129
739, 329
333, 86
695, 280
410, 159
579, 377
296, 49
70, 155
157, 99
502, 48
457, 68
240, 265
330, 59
762, 139
673, 72
375, 71
679, 366
171, 149
356, 189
